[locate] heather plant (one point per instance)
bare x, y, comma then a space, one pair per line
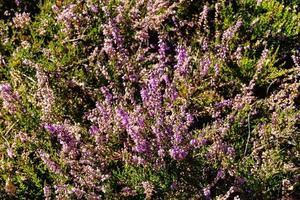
149, 99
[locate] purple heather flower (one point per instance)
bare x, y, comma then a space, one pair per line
217, 69
50, 164
224, 103
47, 192
94, 130
113, 39
142, 35
177, 153
10, 152
203, 16
189, 118
182, 61
148, 189
108, 47
45, 94
153, 83
174, 186
61, 189
133, 131
178, 137
222, 51
144, 94
161, 153
5, 88
195, 143
296, 60
238, 53
230, 151
141, 146
166, 79
65, 137
79, 193
204, 45
127, 191
140, 122
94, 8
172, 92
50, 127
205, 64
262, 59
10, 99
17, 2
123, 116
138, 160
55, 8
220, 174
240, 181
21, 20
206, 192
229, 33
204, 141
163, 48
108, 96
157, 131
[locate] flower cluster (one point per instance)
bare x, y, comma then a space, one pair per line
10, 99
21, 20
